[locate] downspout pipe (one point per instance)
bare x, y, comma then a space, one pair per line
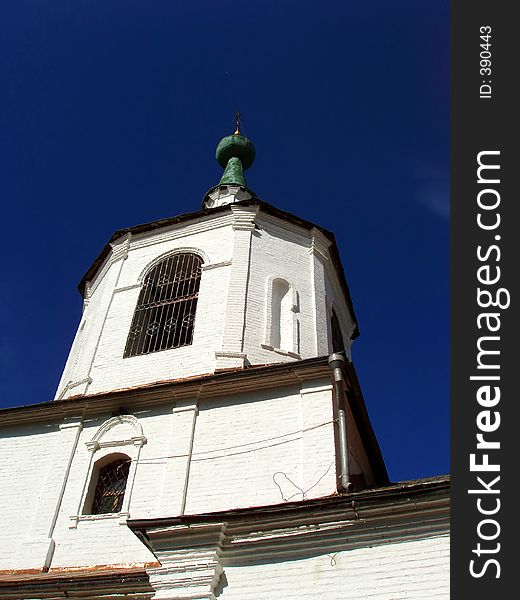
336, 364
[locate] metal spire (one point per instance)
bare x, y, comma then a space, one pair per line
237, 122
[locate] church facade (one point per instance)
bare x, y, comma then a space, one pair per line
209, 437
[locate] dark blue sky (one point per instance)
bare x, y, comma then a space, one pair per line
110, 112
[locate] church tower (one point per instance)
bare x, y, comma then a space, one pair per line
236, 284
208, 432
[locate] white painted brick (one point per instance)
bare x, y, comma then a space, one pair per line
244, 445
233, 303
241, 450
401, 571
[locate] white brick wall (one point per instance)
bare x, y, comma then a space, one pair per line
389, 543
26, 453
248, 449
413, 569
242, 251
195, 456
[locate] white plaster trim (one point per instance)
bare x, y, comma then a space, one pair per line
244, 217
76, 351
73, 384
96, 444
103, 517
70, 422
127, 287
120, 250
195, 414
244, 226
88, 291
224, 354
164, 255
225, 263
280, 351
319, 244
136, 441
114, 421
178, 231
104, 318
315, 390
192, 570
122, 517
180, 409
285, 229
226, 194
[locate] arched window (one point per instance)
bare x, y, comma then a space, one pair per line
110, 488
281, 315
165, 312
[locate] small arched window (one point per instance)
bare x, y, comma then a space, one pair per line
110, 488
165, 313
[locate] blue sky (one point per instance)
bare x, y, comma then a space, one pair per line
109, 116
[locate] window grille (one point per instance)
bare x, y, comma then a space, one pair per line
110, 489
165, 312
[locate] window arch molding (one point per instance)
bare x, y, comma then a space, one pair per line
158, 259
97, 441
281, 323
118, 436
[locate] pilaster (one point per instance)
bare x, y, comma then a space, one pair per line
190, 558
176, 478
36, 547
232, 352
319, 457
318, 251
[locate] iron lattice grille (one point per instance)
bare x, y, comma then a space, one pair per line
165, 312
110, 488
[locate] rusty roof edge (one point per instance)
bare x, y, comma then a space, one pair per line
15, 583
204, 386
76, 404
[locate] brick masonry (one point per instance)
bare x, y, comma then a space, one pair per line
191, 456
243, 252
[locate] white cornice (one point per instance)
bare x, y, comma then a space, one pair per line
319, 244
287, 229
180, 230
192, 571
394, 517
128, 242
120, 250
244, 217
